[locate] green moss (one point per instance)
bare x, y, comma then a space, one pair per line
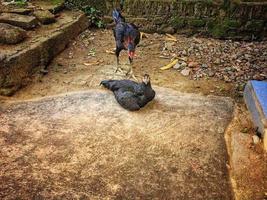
232, 34
177, 22
202, 2
208, 2
211, 23
21, 3
221, 29
254, 25
196, 22
216, 28
98, 4
57, 2
218, 31
232, 24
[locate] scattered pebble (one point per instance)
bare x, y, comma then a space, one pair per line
232, 62
185, 72
192, 64
255, 139
177, 66
183, 64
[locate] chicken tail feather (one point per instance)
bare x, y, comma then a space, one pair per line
117, 17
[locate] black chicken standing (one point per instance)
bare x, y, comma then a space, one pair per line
127, 37
129, 94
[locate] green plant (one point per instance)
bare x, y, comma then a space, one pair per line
57, 2
92, 52
94, 16
21, 2
178, 22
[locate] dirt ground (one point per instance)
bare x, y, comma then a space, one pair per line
69, 72
80, 68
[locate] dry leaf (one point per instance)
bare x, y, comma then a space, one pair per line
170, 65
110, 52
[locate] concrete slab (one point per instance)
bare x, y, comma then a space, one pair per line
255, 96
84, 146
22, 21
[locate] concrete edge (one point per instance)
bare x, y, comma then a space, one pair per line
16, 68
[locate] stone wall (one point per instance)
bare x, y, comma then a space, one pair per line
220, 19
105, 6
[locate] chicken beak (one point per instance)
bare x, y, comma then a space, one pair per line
131, 54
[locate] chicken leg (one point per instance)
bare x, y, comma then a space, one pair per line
118, 62
130, 73
118, 66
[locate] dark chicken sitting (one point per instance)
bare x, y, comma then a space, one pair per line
129, 94
127, 37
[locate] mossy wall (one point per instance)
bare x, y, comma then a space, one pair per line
217, 18
104, 5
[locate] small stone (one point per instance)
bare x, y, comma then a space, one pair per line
183, 64
57, 8
232, 77
240, 94
83, 82
211, 74
240, 87
22, 21
44, 71
226, 79
217, 61
255, 139
184, 59
249, 48
256, 67
192, 64
240, 73
234, 56
156, 35
44, 16
177, 66
257, 77
21, 11
264, 76
247, 56
169, 46
244, 130
11, 34
204, 66
184, 52
169, 30
227, 69
2, 57
185, 72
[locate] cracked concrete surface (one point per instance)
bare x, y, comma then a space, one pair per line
83, 145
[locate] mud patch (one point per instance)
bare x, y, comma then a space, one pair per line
83, 145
